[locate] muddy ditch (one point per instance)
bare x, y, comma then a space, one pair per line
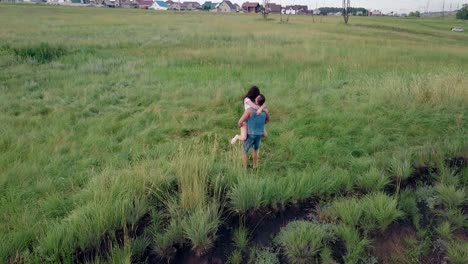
108, 240
264, 224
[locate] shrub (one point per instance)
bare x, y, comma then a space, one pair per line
302, 240
42, 53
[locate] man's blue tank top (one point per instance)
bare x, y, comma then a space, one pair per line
256, 123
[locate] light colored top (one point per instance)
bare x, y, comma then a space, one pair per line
246, 105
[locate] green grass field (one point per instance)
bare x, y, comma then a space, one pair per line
111, 116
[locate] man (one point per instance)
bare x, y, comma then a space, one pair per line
255, 128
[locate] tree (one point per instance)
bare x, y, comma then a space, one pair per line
463, 12
415, 14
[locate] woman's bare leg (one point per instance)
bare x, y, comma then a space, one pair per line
242, 136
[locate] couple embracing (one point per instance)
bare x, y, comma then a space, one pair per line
252, 124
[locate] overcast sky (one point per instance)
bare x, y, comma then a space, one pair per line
400, 6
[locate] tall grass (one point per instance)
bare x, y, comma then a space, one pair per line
192, 172
104, 120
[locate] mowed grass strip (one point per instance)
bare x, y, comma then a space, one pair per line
87, 137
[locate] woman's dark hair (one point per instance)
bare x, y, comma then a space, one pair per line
252, 93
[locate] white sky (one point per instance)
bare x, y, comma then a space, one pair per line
399, 6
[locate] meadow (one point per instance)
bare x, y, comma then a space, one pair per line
115, 129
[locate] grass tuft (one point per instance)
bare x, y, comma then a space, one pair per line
201, 226
301, 241
457, 252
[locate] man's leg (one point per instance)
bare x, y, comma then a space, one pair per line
245, 150
244, 159
254, 159
256, 146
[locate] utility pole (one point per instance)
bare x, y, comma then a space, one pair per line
346, 10
443, 9
266, 8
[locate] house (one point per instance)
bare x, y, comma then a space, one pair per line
295, 9
251, 7
190, 6
288, 11
226, 7
274, 8
158, 5
128, 3
238, 8
316, 12
169, 2
174, 6
375, 13
144, 4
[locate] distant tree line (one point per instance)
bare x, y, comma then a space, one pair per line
354, 10
463, 12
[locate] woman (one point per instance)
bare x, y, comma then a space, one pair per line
249, 102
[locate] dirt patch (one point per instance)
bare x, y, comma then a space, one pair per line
390, 247
419, 176
437, 253
461, 235
264, 225
457, 163
218, 254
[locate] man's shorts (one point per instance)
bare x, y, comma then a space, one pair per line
252, 141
